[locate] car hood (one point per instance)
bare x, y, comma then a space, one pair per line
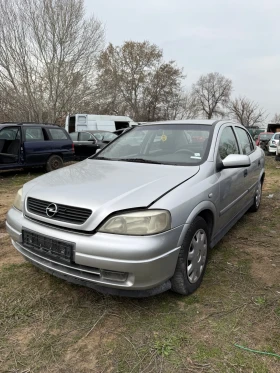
106, 187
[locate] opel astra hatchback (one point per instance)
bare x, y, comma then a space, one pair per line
139, 217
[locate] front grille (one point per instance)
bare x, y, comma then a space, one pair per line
68, 214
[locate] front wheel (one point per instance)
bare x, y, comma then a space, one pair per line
192, 258
257, 198
54, 163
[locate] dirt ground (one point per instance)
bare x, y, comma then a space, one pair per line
48, 325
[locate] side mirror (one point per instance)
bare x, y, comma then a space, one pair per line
256, 137
236, 161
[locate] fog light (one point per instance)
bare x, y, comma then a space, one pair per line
114, 275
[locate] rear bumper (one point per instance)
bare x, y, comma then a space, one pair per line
149, 262
272, 149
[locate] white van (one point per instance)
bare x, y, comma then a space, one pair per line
91, 122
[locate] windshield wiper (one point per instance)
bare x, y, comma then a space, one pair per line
138, 160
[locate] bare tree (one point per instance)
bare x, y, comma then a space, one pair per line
246, 112
212, 93
47, 54
133, 79
276, 118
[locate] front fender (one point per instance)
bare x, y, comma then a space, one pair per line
202, 206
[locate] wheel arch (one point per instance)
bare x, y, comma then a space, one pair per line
207, 211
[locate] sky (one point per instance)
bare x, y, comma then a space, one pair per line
237, 38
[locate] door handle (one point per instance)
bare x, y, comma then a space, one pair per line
259, 163
245, 173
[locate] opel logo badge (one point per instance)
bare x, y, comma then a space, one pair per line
51, 210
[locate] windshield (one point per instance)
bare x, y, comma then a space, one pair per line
266, 136
178, 144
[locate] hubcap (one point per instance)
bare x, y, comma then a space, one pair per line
258, 194
197, 256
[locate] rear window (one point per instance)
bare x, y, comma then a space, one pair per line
58, 134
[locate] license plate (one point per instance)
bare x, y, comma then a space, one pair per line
48, 246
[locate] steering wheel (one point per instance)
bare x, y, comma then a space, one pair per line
184, 151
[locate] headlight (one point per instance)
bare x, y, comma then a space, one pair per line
18, 202
138, 223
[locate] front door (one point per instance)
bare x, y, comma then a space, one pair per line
10, 146
85, 146
232, 182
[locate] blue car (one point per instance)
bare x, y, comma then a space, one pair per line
25, 145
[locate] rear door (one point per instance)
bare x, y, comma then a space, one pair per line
36, 147
232, 181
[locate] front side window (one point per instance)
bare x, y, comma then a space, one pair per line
10, 134
177, 144
85, 136
58, 134
246, 143
228, 144
33, 134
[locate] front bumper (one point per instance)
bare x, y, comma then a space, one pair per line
149, 261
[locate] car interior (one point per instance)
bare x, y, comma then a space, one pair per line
9, 145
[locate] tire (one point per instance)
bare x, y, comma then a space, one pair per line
277, 157
184, 282
257, 198
54, 163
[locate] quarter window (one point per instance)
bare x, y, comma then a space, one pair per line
33, 134
58, 134
228, 144
246, 145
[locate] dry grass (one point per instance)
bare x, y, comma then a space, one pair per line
48, 325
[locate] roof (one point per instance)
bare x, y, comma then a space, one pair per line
95, 131
188, 121
27, 124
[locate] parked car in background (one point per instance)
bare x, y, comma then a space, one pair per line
87, 142
121, 131
140, 217
274, 141
25, 145
91, 122
263, 139
277, 154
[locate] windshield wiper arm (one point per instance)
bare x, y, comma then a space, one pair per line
138, 160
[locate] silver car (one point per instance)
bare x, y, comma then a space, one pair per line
139, 217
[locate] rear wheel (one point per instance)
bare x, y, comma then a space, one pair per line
54, 163
257, 198
192, 258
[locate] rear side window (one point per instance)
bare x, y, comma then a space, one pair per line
277, 136
58, 134
33, 134
228, 144
246, 144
